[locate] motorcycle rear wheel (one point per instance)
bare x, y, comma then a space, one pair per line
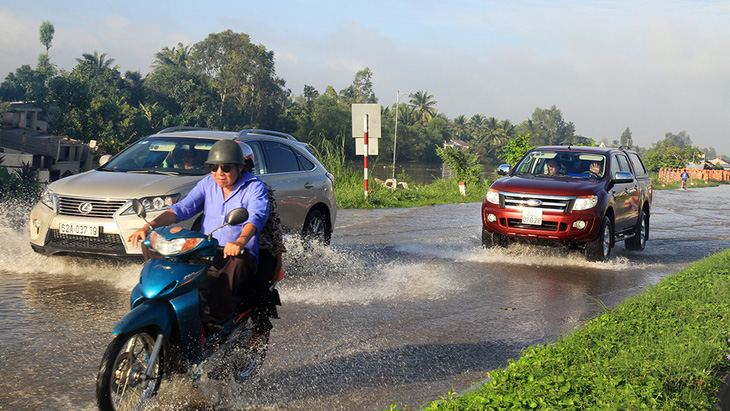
119, 385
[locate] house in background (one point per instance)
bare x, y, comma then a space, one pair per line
722, 163
24, 141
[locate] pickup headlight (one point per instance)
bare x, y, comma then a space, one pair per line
585, 202
49, 199
158, 203
493, 196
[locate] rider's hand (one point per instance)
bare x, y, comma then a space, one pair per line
139, 235
232, 249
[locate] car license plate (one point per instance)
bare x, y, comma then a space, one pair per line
79, 229
531, 216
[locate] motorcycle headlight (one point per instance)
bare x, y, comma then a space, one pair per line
173, 247
157, 203
493, 196
585, 202
49, 199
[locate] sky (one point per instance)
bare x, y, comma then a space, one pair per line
651, 66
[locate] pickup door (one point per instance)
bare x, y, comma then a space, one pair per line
626, 195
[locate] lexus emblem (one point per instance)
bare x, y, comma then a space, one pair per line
85, 207
534, 202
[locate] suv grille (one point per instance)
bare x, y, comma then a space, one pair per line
542, 201
110, 243
99, 208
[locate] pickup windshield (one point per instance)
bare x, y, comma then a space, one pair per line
562, 164
163, 155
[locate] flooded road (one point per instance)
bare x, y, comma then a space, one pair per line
403, 307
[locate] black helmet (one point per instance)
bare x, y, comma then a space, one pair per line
225, 152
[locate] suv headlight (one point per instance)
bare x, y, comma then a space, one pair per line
493, 196
49, 199
585, 202
158, 203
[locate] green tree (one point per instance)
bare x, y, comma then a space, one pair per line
46, 34
547, 127
177, 57
424, 106
243, 72
516, 148
97, 60
465, 165
626, 140
361, 89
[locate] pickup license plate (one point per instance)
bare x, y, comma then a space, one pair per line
531, 216
79, 229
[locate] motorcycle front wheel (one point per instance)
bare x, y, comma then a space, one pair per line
121, 384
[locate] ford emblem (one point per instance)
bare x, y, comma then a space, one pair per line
85, 207
534, 202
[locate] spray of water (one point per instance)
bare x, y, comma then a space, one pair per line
16, 254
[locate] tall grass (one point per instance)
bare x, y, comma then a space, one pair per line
350, 184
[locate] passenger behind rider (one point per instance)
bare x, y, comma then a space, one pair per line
228, 187
265, 298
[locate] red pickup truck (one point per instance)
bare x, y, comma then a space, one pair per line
580, 197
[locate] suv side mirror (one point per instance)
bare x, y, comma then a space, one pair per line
503, 169
623, 177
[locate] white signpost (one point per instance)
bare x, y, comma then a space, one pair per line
366, 131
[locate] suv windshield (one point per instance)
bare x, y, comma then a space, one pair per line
562, 164
176, 155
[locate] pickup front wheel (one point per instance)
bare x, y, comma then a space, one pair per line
490, 239
600, 248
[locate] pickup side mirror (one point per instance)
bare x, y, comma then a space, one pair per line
503, 169
623, 177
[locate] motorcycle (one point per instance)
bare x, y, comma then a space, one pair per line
163, 334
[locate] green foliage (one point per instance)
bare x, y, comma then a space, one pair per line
14, 187
661, 350
667, 154
516, 149
46, 34
465, 165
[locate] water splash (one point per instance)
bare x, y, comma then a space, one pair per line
17, 255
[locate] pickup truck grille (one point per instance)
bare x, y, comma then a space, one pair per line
542, 201
99, 208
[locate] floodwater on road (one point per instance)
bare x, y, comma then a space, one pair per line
402, 307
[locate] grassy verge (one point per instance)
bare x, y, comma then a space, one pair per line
350, 192
665, 349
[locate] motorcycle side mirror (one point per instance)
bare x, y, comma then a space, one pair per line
139, 208
236, 216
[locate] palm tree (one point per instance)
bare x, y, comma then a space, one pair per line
459, 127
98, 60
424, 105
172, 57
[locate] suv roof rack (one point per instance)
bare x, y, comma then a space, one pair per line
266, 133
182, 128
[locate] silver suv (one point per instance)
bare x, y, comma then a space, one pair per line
91, 213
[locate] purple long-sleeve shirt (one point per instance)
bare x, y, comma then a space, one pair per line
207, 196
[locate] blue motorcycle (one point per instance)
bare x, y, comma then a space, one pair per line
163, 334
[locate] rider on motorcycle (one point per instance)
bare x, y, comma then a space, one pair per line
229, 186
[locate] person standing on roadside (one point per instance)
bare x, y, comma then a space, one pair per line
684, 176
